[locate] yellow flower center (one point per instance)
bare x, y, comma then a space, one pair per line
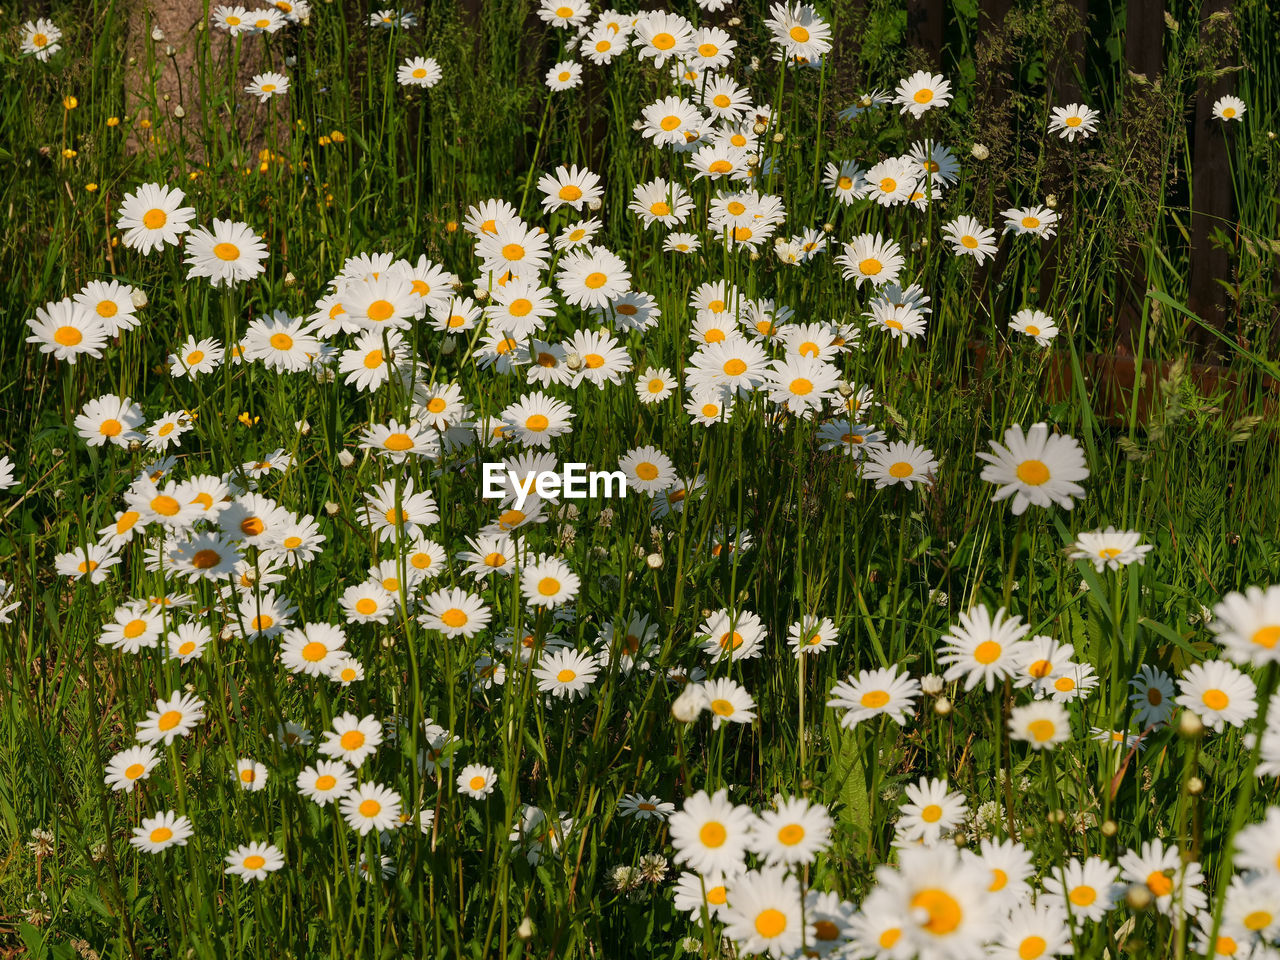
943, 910
1033, 472
770, 923
870, 266
226, 251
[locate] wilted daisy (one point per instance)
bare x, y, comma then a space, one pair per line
1035, 468
1073, 120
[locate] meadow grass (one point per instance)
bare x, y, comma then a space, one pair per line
352, 162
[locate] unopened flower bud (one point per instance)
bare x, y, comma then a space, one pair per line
525, 930
178, 112
778, 137
979, 151
573, 361
290, 280
1138, 897
157, 34
331, 508
345, 458
758, 128
931, 684
139, 298
449, 346
654, 560
1195, 786
691, 702
1190, 725
1110, 828
1051, 201
942, 706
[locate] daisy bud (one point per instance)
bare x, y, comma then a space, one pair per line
303, 427
525, 930
979, 151
1138, 897
157, 34
931, 684
178, 112
754, 255
290, 280
57, 451
759, 128
448, 347
691, 702
1190, 725
654, 560
228, 632
1271, 134
735, 21
139, 298
59, 493
828, 228
290, 61
1051, 201
595, 204
1110, 828
345, 458
778, 137
573, 361
169, 51
482, 293
942, 706
1195, 786
331, 508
